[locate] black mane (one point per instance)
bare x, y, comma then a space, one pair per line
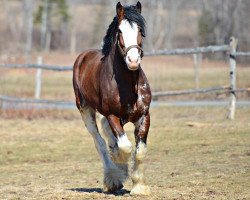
132, 15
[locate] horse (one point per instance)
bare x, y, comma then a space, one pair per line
111, 82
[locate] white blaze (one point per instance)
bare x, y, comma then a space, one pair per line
129, 34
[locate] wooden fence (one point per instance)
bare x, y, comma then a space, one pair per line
232, 89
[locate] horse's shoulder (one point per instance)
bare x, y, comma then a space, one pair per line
89, 57
80, 58
90, 54
143, 80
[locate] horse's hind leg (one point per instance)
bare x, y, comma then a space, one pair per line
120, 158
112, 140
113, 176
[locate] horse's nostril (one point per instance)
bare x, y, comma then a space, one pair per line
129, 59
133, 61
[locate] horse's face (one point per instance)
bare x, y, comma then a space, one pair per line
129, 39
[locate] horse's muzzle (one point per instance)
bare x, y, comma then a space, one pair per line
133, 58
133, 63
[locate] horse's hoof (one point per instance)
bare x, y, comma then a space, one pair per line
113, 179
140, 189
113, 189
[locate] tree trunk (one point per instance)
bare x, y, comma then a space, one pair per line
29, 27
171, 22
44, 25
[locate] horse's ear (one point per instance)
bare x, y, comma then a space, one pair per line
138, 6
119, 11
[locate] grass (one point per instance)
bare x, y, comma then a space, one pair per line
194, 153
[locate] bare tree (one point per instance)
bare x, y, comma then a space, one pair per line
73, 31
45, 36
28, 9
170, 28
159, 33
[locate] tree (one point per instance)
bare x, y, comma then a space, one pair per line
205, 27
28, 9
170, 28
43, 16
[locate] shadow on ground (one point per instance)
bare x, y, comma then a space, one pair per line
99, 190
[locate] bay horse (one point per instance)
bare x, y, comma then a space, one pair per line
111, 82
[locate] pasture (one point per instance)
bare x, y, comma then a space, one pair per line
194, 153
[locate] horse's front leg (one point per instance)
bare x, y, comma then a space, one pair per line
121, 150
141, 132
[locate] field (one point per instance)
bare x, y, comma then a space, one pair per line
194, 153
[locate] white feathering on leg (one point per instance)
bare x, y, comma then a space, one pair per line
124, 144
140, 189
119, 158
139, 185
113, 178
141, 151
124, 149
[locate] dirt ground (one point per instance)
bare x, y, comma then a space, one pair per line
193, 153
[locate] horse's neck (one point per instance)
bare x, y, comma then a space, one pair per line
123, 76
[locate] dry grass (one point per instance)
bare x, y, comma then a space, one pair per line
194, 153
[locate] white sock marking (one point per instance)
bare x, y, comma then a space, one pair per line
124, 144
141, 151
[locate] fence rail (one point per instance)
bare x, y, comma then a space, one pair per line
191, 91
242, 53
26, 100
209, 49
230, 49
219, 90
180, 51
155, 95
38, 66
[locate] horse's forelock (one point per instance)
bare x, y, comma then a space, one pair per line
132, 15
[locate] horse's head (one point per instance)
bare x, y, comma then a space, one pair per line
130, 34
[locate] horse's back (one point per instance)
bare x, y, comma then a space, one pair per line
85, 74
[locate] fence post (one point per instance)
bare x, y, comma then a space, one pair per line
232, 62
197, 64
38, 78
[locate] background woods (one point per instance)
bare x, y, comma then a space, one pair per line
72, 26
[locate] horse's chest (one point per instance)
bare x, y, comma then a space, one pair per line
137, 109
128, 102
142, 103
